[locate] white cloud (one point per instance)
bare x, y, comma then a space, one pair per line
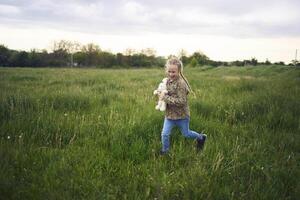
89, 11
196, 16
9, 10
164, 25
135, 12
234, 18
275, 15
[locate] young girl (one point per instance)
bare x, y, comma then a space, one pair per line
177, 111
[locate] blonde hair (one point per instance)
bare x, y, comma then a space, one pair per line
175, 61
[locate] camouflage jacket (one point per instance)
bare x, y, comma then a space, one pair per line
176, 99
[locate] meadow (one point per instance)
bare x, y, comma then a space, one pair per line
94, 134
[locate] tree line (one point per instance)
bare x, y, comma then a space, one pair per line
67, 53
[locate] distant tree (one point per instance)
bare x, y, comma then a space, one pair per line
121, 60
185, 60
253, 61
92, 55
246, 62
267, 62
194, 62
4, 56
80, 58
148, 52
70, 47
237, 63
91, 48
106, 59
73, 48
138, 60
226, 64
19, 59
91, 51
279, 63
59, 58
215, 63
37, 58
159, 61
129, 52
44, 57
201, 58
66, 45
183, 55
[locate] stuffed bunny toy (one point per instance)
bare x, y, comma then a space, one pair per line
162, 89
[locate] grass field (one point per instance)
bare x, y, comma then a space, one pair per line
94, 134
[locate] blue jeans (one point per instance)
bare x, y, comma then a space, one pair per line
183, 124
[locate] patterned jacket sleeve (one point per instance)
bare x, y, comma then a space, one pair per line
179, 97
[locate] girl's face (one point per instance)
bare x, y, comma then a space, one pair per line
172, 72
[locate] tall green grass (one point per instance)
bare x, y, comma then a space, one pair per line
94, 134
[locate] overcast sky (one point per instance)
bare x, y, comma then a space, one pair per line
223, 30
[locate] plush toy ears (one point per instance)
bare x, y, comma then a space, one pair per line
165, 80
